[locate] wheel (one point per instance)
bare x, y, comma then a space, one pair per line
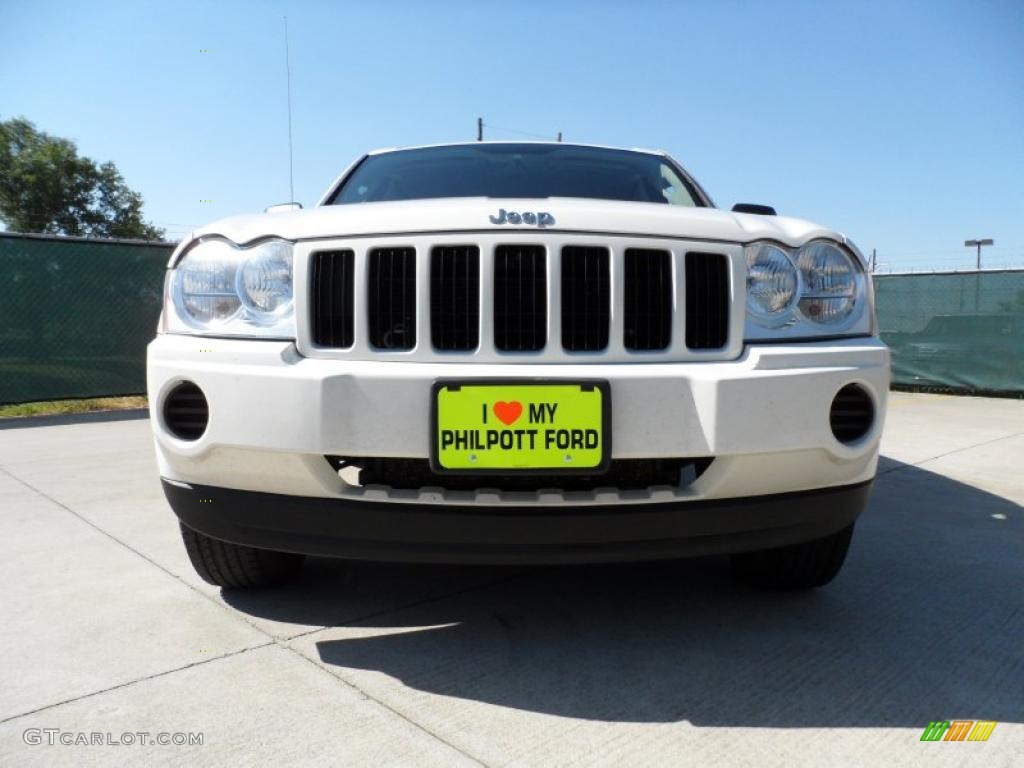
233, 565
798, 566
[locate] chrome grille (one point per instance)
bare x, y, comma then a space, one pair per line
520, 296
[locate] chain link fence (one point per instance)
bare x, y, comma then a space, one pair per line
958, 331
76, 315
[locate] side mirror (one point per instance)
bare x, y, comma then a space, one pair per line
761, 210
283, 208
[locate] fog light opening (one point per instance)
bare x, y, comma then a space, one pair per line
186, 412
852, 414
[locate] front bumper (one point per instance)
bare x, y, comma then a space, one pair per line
512, 535
259, 476
275, 415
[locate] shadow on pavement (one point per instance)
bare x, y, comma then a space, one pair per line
925, 622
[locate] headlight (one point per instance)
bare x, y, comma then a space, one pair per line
204, 286
830, 277
265, 281
771, 284
819, 289
220, 289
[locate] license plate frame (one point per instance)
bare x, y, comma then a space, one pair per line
587, 385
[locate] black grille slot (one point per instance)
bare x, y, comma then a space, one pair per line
707, 300
520, 298
455, 297
391, 298
585, 298
331, 298
186, 412
852, 414
622, 474
648, 295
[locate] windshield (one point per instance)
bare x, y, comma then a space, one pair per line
516, 170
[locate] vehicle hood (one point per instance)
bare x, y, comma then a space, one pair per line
474, 214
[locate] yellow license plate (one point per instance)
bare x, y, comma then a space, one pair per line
540, 426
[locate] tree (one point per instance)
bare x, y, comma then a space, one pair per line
46, 186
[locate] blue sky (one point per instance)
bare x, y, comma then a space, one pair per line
898, 123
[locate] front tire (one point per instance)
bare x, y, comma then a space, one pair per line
233, 565
798, 566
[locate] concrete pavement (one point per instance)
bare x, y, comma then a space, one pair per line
109, 630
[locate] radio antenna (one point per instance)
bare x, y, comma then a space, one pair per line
288, 75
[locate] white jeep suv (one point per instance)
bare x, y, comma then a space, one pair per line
517, 353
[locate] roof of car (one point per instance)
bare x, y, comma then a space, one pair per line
383, 150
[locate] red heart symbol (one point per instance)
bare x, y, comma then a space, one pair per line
508, 412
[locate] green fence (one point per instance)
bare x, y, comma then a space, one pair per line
961, 331
76, 315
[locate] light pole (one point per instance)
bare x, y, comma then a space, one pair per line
977, 244
977, 277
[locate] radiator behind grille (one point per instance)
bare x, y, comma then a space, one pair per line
391, 298
331, 297
520, 298
455, 297
586, 298
648, 299
707, 300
